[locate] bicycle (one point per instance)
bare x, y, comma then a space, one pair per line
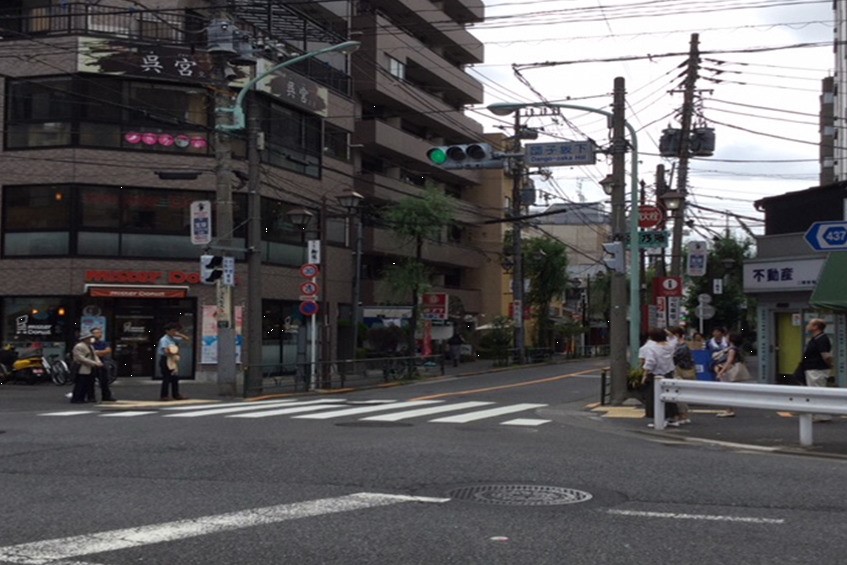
60, 373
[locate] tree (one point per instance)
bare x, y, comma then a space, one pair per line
414, 220
545, 263
725, 260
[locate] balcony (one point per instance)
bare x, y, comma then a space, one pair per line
384, 242
377, 292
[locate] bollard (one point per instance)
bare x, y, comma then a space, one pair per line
805, 430
603, 387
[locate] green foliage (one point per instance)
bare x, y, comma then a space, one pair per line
406, 277
545, 265
386, 340
496, 343
417, 219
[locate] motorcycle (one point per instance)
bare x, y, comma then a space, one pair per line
31, 368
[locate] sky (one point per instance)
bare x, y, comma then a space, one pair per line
759, 90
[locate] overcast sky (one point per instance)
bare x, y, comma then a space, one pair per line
774, 93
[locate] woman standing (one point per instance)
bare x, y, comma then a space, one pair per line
729, 370
683, 368
86, 362
657, 355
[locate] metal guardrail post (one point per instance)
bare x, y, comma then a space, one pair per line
603, 377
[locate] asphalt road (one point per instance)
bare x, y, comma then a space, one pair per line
356, 479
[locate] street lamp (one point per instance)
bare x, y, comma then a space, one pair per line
253, 380
673, 199
506, 108
352, 200
608, 184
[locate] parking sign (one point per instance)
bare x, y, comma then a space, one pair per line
201, 222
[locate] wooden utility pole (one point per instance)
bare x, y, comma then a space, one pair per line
682, 177
617, 319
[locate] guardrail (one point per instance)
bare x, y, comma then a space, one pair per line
805, 401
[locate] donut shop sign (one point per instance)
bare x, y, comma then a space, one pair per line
142, 277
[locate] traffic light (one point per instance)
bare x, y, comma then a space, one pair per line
470, 156
211, 268
616, 261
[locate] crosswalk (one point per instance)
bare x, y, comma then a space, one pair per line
383, 410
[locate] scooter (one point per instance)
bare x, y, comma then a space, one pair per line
31, 368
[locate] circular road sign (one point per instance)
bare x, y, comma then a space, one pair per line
309, 308
309, 288
649, 216
704, 298
705, 311
309, 270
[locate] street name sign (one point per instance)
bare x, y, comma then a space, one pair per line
648, 239
561, 153
827, 236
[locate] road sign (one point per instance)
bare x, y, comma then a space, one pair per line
313, 251
650, 239
827, 236
201, 222
228, 277
695, 264
309, 288
309, 270
309, 308
561, 153
704, 298
705, 311
649, 216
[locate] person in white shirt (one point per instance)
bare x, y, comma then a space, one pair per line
719, 340
657, 355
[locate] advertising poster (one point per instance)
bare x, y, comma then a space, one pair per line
209, 335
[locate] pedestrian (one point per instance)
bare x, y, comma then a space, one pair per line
455, 342
657, 355
683, 369
168, 358
85, 363
817, 359
103, 351
698, 342
718, 341
733, 369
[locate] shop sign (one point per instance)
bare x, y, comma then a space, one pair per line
116, 57
142, 277
119, 291
24, 326
434, 306
774, 276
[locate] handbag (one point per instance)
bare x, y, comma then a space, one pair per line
172, 362
687, 374
737, 373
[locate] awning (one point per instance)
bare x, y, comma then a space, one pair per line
831, 290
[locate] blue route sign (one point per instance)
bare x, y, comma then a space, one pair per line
827, 236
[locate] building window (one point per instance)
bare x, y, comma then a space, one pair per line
37, 322
336, 142
293, 139
107, 112
397, 68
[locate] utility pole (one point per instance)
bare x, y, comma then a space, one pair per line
661, 189
682, 178
253, 375
223, 205
517, 246
617, 318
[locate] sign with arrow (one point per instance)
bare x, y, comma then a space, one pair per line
827, 236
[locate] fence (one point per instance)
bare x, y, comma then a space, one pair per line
348, 373
803, 400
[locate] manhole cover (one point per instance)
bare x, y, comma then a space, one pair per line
521, 495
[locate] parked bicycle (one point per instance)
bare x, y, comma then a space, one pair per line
63, 374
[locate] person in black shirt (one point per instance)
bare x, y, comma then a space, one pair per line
817, 359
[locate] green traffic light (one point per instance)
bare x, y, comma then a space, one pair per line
437, 155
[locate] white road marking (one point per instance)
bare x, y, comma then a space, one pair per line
425, 411
246, 407
525, 422
228, 405
490, 413
69, 413
708, 517
128, 413
367, 409
299, 409
49, 551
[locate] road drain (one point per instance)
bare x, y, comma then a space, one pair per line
520, 495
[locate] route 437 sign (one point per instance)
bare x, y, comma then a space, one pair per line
827, 236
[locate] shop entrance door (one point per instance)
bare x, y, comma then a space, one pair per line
788, 344
135, 343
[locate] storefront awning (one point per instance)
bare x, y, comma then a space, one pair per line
831, 290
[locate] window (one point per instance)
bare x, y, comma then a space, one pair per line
36, 220
293, 139
396, 68
336, 142
107, 112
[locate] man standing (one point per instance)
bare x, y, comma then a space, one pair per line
817, 359
168, 358
455, 343
86, 362
103, 351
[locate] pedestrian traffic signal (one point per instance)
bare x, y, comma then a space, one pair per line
616, 262
470, 156
211, 268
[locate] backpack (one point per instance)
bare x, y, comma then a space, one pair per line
682, 357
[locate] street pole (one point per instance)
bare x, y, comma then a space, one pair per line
357, 283
223, 203
617, 321
682, 178
326, 329
517, 247
255, 332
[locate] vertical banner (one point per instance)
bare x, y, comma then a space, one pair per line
209, 334
661, 312
673, 310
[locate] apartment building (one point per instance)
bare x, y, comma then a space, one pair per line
109, 120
